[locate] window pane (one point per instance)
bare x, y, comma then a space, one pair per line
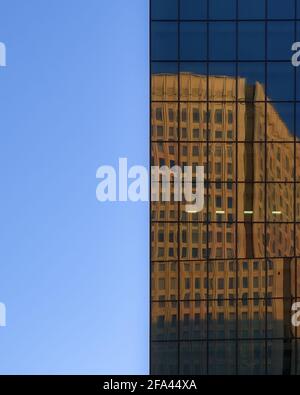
280, 39
164, 41
193, 358
297, 132
280, 81
164, 9
164, 281
222, 358
222, 81
252, 357
193, 82
164, 81
247, 114
280, 202
280, 162
251, 202
280, 240
254, 74
193, 318
278, 9
220, 9
164, 321
251, 41
251, 160
222, 41
164, 358
251, 9
193, 9
280, 125
250, 240
193, 41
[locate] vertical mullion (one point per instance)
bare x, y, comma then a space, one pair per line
179, 205
150, 188
236, 190
265, 185
207, 189
295, 189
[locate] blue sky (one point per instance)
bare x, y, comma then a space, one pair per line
73, 271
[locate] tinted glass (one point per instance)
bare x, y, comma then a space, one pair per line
164, 9
222, 41
254, 9
251, 41
164, 44
193, 41
219, 9
193, 9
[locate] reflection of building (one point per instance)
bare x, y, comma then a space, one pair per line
227, 273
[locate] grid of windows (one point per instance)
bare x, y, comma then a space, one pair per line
225, 95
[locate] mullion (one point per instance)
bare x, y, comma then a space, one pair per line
236, 186
227, 20
207, 185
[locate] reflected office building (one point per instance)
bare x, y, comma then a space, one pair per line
224, 280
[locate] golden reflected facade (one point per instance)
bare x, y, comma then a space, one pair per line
223, 281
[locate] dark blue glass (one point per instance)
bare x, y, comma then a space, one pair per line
281, 9
280, 81
297, 132
164, 68
164, 9
298, 82
164, 45
193, 68
222, 9
193, 41
222, 69
280, 39
193, 9
251, 41
222, 41
251, 9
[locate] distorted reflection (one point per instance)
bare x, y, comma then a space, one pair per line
224, 279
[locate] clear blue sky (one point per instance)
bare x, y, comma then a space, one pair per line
73, 271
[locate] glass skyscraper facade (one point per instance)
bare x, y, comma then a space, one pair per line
224, 95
